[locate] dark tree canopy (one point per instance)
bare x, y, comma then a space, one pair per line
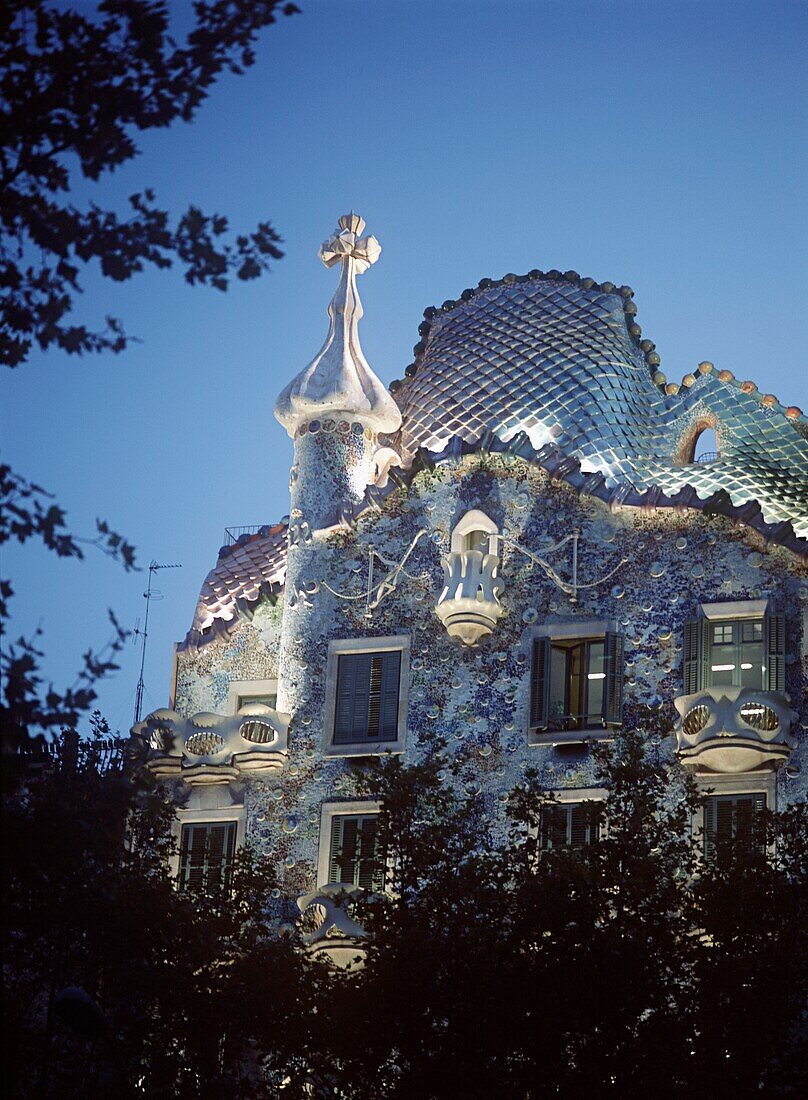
633, 967
75, 90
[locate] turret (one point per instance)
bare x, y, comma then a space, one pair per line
334, 410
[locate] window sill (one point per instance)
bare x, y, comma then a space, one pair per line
364, 749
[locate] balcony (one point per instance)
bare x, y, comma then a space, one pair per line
214, 748
337, 937
469, 604
733, 729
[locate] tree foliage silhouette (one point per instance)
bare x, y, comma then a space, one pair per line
76, 90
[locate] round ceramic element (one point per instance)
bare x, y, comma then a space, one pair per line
618, 592
681, 543
657, 569
289, 825
755, 559
697, 571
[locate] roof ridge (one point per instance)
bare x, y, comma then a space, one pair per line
646, 346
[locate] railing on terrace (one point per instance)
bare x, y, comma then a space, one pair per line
233, 534
708, 456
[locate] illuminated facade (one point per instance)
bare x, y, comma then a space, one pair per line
519, 547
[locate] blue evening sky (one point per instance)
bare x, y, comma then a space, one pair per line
658, 144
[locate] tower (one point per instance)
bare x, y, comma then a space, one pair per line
334, 410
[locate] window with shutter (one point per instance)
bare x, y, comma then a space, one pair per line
747, 651
355, 856
730, 818
577, 684
568, 825
367, 697
207, 850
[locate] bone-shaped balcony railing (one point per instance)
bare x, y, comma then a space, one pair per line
211, 747
468, 605
338, 937
733, 729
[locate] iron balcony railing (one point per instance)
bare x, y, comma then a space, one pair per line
233, 534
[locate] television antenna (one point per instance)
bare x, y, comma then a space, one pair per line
149, 595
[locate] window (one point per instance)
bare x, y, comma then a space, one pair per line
251, 691
576, 682
367, 697
569, 825
355, 855
367, 684
475, 531
206, 855
731, 817
740, 644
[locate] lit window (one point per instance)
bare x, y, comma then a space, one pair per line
569, 825
206, 855
576, 683
744, 651
731, 818
355, 855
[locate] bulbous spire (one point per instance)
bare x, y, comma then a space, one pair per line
339, 379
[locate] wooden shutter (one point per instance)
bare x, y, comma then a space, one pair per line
369, 866
553, 832
389, 687
354, 856
709, 824
729, 818
540, 684
614, 667
342, 864
206, 855
353, 689
775, 630
367, 697
696, 655
578, 825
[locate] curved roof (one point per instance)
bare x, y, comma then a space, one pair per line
561, 359
553, 368
252, 568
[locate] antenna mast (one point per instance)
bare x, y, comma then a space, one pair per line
148, 596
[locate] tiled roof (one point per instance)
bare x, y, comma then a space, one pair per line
553, 368
561, 358
253, 567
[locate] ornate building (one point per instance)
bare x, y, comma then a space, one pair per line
522, 545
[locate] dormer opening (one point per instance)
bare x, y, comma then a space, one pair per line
475, 531
705, 448
701, 443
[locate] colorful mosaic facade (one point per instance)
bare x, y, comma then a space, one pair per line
539, 491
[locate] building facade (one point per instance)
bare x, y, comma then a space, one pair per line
521, 546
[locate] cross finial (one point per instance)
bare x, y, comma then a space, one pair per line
345, 243
339, 380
